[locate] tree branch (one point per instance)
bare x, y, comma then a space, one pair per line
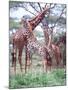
28, 10
33, 7
16, 4
39, 6
59, 17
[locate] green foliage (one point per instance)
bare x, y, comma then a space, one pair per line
39, 34
57, 38
54, 78
13, 24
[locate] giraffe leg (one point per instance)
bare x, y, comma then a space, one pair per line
12, 62
50, 68
15, 64
19, 58
58, 61
56, 58
14, 55
27, 60
49, 64
14, 59
44, 65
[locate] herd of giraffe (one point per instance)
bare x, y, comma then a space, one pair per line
25, 37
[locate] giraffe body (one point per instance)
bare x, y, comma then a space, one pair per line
19, 41
41, 50
20, 37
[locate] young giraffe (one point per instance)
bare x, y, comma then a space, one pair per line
33, 44
20, 37
51, 46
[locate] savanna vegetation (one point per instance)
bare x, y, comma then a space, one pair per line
55, 78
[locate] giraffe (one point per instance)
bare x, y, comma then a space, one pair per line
33, 44
20, 37
52, 46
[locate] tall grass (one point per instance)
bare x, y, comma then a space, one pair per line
54, 78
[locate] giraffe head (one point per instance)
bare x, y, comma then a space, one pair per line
22, 21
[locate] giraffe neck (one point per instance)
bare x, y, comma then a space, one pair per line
46, 36
35, 21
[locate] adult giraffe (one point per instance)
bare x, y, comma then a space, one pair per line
52, 46
20, 37
42, 50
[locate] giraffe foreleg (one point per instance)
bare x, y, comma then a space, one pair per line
20, 58
44, 65
57, 59
12, 54
27, 60
14, 59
